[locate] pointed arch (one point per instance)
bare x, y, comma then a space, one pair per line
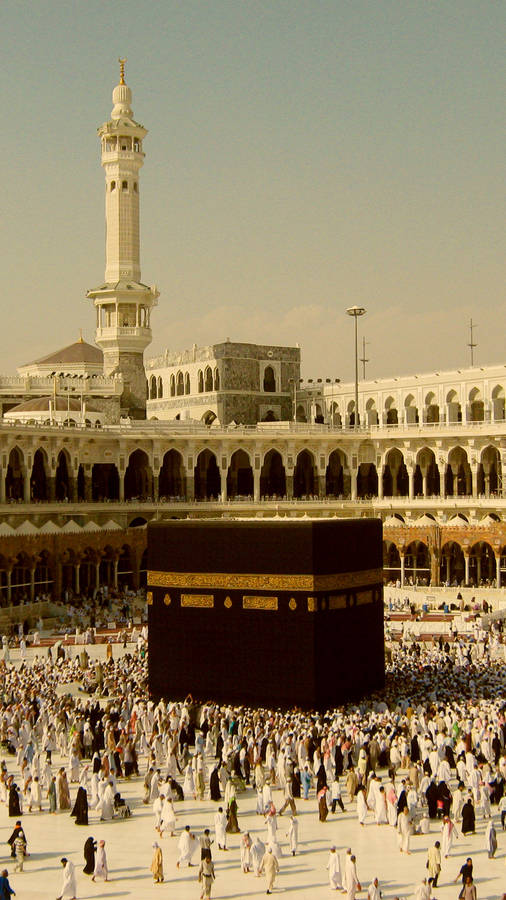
240, 475
304, 475
207, 476
272, 475
172, 477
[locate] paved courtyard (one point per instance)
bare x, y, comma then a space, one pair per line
129, 850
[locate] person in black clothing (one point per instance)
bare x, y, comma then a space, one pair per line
468, 818
80, 811
18, 832
431, 795
214, 784
90, 847
466, 871
14, 807
321, 779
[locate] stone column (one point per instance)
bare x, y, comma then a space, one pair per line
8, 574
87, 484
448, 573
289, 485
2, 486
51, 488
26, 487
467, 555
156, 490
121, 479
411, 482
256, 485
223, 484
354, 485
424, 484
402, 558
73, 488
77, 587
434, 568
32, 584
498, 569
97, 574
322, 485
380, 482
394, 481
190, 487
472, 481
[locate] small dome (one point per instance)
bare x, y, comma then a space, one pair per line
122, 99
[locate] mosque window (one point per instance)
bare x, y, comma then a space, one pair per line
200, 380
113, 185
269, 380
124, 185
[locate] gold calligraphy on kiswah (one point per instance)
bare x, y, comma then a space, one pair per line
203, 601
264, 582
259, 602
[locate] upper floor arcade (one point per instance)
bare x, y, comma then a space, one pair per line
463, 396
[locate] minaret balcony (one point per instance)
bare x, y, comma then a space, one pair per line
122, 330
111, 156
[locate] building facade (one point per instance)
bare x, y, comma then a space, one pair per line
224, 383
438, 491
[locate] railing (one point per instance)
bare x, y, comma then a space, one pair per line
175, 427
69, 508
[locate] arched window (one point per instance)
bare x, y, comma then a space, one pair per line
124, 185
187, 383
172, 386
152, 388
200, 379
135, 187
179, 384
216, 380
208, 383
160, 387
113, 186
269, 380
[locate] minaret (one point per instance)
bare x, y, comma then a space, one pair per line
122, 302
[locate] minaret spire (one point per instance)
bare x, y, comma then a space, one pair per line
123, 302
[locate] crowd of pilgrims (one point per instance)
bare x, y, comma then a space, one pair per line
431, 745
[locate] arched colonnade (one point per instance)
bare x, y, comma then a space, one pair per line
457, 562
71, 562
212, 470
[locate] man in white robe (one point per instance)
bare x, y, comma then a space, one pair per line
187, 845
69, 888
293, 834
352, 883
334, 868
220, 824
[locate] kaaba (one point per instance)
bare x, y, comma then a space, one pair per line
273, 613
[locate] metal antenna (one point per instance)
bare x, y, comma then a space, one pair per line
363, 359
472, 344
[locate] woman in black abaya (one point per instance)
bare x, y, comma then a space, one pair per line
80, 811
89, 856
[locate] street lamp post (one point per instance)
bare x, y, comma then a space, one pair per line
356, 311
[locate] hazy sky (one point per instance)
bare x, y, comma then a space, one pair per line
302, 157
